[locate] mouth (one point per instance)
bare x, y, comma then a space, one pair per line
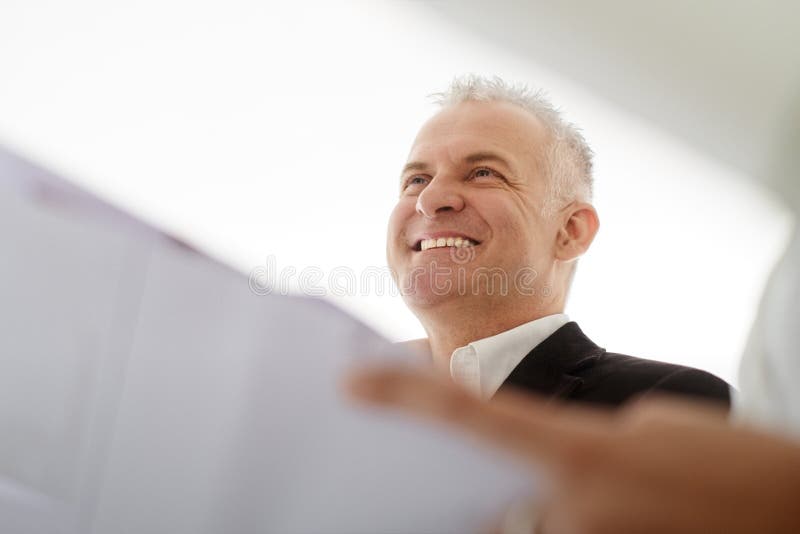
444, 242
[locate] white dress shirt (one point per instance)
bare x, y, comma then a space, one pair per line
483, 365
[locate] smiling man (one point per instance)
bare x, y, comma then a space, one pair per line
494, 212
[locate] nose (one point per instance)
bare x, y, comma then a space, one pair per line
439, 196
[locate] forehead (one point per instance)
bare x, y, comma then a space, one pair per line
471, 126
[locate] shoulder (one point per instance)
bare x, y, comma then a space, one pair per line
571, 367
616, 378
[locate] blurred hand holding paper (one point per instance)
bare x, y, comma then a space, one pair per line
145, 388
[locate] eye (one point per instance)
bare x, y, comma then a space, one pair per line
485, 172
415, 181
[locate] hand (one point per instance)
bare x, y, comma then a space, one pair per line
656, 466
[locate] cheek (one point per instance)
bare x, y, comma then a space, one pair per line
396, 228
520, 231
509, 222
397, 220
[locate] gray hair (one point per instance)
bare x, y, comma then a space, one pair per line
567, 159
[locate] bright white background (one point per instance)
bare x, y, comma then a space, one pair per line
263, 129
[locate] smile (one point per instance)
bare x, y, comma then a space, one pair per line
440, 242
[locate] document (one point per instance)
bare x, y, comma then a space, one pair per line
144, 388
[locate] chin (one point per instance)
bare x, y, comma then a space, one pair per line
425, 295
422, 299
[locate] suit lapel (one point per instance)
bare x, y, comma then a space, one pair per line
553, 367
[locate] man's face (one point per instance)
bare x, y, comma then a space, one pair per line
475, 173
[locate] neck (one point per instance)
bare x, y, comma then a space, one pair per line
451, 325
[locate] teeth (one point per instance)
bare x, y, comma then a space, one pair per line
446, 242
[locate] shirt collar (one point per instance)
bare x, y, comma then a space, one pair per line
483, 365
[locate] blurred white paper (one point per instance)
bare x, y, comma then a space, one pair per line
145, 388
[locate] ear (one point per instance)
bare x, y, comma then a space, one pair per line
579, 226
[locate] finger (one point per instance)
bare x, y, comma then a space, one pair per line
523, 424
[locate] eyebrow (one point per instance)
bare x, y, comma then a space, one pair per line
414, 166
487, 156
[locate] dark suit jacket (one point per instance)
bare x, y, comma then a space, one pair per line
568, 366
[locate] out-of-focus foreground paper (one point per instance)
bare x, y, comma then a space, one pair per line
145, 388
